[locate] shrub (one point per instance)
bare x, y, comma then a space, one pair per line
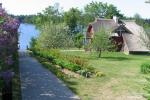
79, 40
77, 60
66, 64
8, 53
147, 88
55, 70
73, 63
145, 68
8, 40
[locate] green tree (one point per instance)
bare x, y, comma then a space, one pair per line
72, 19
33, 43
139, 19
101, 41
113, 11
54, 36
99, 9
79, 40
51, 14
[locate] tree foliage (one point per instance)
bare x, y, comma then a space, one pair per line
99, 9
54, 36
33, 43
139, 19
72, 19
51, 14
79, 40
52, 18
101, 41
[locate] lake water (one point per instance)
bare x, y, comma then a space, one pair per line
27, 31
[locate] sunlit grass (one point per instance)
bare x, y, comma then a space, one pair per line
122, 80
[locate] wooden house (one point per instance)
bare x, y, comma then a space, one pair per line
127, 35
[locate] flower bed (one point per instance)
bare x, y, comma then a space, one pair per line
72, 63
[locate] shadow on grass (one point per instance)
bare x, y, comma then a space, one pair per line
116, 58
112, 58
71, 85
142, 54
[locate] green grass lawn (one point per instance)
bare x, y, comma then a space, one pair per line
122, 81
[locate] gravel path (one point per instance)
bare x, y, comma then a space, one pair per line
37, 83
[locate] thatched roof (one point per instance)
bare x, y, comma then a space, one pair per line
107, 24
135, 40
132, 36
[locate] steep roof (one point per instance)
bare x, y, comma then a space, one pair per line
107, 24
133, 41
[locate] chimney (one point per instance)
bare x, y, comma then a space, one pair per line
115, 18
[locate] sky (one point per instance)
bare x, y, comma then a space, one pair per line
27, 7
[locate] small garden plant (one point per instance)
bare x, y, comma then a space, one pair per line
145, 68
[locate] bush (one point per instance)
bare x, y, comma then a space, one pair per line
79, 40
77, 60
147, 88
145, 68
66, 64
72, 63
55, 70
9, 53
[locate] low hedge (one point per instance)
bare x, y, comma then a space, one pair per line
145, 68
66, 64
54, 70
75, 64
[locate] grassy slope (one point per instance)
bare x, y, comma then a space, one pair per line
123, 80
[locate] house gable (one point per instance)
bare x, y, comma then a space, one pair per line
128, 32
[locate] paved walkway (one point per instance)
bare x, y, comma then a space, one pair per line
37, 83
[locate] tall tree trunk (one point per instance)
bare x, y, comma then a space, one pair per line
99, 52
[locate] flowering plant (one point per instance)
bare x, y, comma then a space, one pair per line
8, 39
